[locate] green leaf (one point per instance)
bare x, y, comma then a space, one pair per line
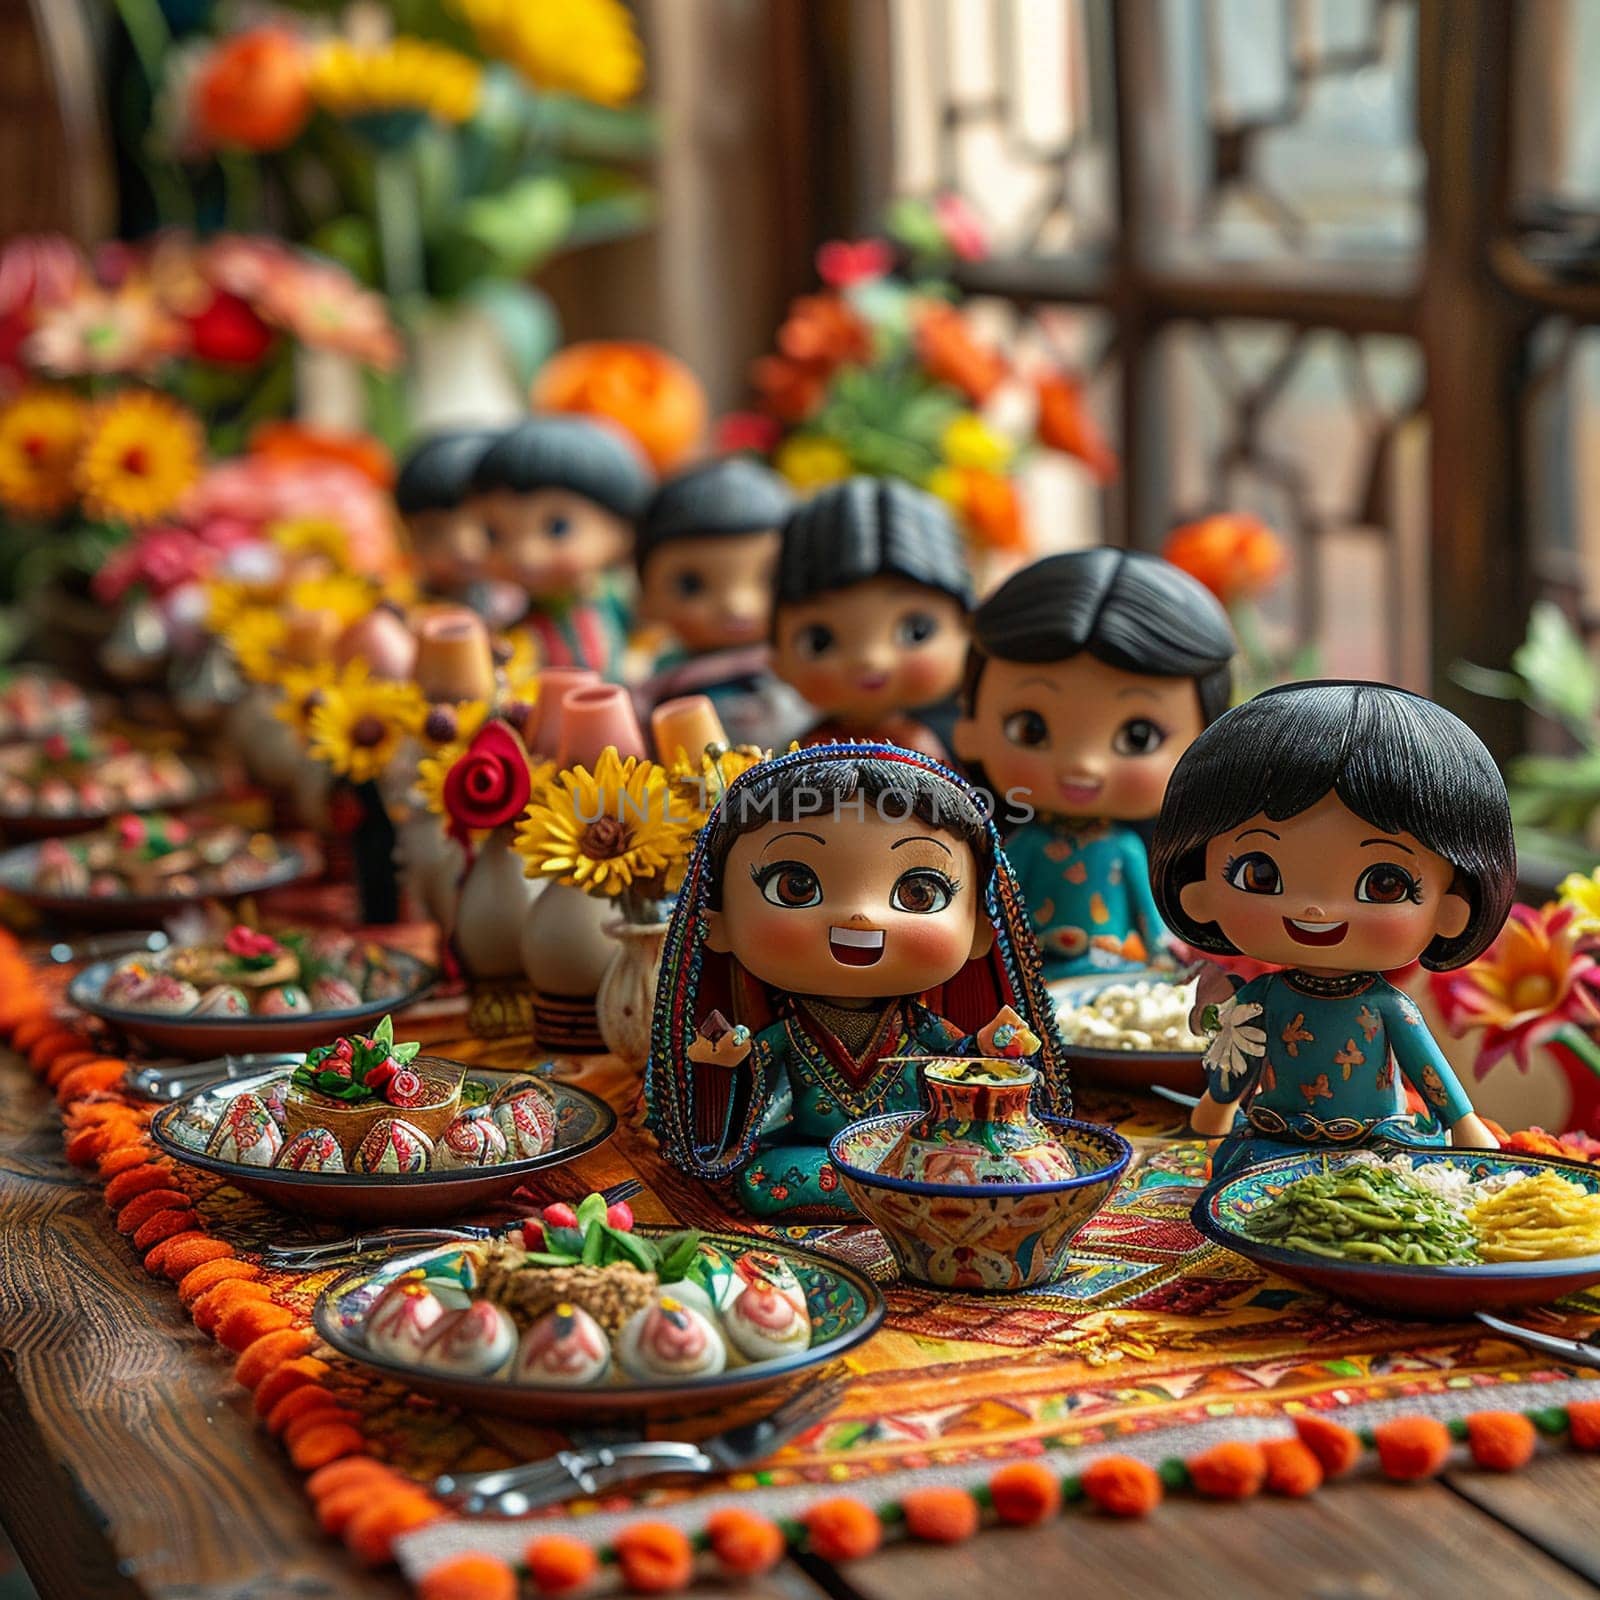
628, 1247
524, 318
1559, 775
1487, 682
591, 1212
516, 230
407, 1051
384, 1033
1561, 675
594, 1243
677, 1254
548, 1258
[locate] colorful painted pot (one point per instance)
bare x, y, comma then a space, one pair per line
978, 1128
995, 1238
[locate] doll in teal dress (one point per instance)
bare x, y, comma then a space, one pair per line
847, 913
1088, 676
1338, 831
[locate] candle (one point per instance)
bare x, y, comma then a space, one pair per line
593, 718
455, 660
684, 727
543, 737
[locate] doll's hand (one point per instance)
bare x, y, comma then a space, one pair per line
1213, 988
1008, 1035
720, 1043
1470, 1133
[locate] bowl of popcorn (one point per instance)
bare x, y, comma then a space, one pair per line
1132, 1032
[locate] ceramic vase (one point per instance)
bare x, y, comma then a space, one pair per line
977, 1127
492, 908
565, 953
626, 998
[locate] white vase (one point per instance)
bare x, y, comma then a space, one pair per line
492, 908
626, 998
565, 953
431, 868
459, 376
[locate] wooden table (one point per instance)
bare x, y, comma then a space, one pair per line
130, 1466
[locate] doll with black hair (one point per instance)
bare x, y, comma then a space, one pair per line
1089, 675
706, 550
1339, 831
847, 911
559, 496
870, 616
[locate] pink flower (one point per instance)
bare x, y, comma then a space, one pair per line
249, 943
962, 227
842, 262
1535, 978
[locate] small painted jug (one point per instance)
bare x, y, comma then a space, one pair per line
978, 1128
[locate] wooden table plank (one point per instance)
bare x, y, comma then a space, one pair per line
1551, 1503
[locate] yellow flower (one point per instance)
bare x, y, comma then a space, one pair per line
405, 74
609, 831
312, 536
810, 463
255, 634
361, 723
303, 691
142, 455
586, 48
1582, 892
969, 441
697, 786
41, 431
520, 670
341, 594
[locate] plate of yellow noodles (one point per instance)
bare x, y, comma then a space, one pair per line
1416, 1232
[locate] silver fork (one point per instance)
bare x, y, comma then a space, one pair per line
328, 1252
515, 1491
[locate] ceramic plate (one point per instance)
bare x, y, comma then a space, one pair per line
1126, 1069
28, 823
845, 1308
199, 1038
1453, 1292
583, 1122
296, 861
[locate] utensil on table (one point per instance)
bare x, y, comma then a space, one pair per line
102, 946
170, 1080
335, 1252
1176, 1096
1580, 1352
515, 1491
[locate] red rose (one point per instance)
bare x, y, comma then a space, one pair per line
229, 332
405, 1089
489, 784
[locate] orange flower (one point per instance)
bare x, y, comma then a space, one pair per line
299, 442
649, 394
790, 390
949, 353
252, 91
988, 504
1065, 423
821, 330
1234, 556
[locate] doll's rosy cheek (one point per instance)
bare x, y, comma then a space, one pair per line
933, 944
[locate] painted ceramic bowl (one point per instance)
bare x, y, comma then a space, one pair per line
991, 1237
198, 1038
1442, 1292
583, 1122
1117, 1063
845, 1309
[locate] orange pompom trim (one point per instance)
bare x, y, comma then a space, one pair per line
335, 1509
209, 1309
940, 1515
325, 1442
1233, 1470
307, 1400
655, 1558
1583, 1424
30, 1030
143, 1206
371, 1533
1411, 1448
1122, 1486
51, 1043
155, 1258
1333, 1444
1024, 1493
240, 1327
184, 1255
1292, 1468
558, 1565
65, 1062
209, 1274
159, 1228
297, 1427
1502, 1441
744, 1544
294, 1373
469, 1577
271, 1348
137, 1180
127, 1157
843, 1529
342, 1474
93, 1077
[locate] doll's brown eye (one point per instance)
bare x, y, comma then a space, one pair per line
1138, 737
923, 891
916, 628
1256, 873
1386, 884
1027, 728
558, 527
790, 884
814, 640
689, 584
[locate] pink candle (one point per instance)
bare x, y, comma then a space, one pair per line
684, 727
593, 718
543, 737
454, 658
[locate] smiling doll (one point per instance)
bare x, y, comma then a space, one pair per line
1338, 830
849, 908
558, 496
433, 494
870, 621
1089, 675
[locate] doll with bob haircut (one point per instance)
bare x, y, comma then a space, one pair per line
1338, 831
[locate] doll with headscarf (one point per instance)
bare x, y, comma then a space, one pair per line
847, 911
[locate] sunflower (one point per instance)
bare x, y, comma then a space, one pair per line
697, 786
400, 77
609, 832
361, 723
518, 658
312, 536
304, 689
255, 634
341, 594
40, 434
586, 48
143, 453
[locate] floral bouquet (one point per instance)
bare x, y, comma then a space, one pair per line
359, 1069
879, 372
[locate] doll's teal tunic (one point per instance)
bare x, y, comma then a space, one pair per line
813, 1085
1087, 887
1330, 1068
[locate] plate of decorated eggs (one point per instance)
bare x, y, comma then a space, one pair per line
431, 1139
287, 989
579, 1312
